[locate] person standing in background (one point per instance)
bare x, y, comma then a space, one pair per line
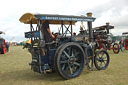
7, 46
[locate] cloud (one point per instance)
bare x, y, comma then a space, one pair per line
113, 11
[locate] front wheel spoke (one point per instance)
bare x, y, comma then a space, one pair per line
97, 59
105, 60
101, 64
76, 63
98, 56
105, 57
66, 54
104, 63
102, 55
97, 62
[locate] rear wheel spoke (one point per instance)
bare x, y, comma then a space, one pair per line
70, 69
76, 63
73, 67
66, 61
63, 67
67, 68
76, 53
69, 50
66, 54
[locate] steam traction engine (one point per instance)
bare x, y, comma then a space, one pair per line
103, 38
67, 54
125, 41
2, 44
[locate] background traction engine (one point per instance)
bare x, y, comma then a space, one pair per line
2, 44
103, 38
125, 41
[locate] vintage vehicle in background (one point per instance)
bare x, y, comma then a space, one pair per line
68, 53
27, 43
125, 40
2, 44
118, 40
103, 38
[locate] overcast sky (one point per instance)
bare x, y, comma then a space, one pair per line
113, 11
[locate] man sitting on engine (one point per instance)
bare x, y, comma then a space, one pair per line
47, 33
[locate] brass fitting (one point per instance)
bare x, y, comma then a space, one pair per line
107, 23
89, 14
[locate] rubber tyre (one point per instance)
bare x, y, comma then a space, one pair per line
55, 58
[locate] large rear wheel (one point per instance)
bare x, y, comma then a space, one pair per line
70, 60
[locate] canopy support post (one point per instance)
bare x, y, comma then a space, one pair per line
62, 27
71, 27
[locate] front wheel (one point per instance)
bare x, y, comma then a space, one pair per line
116, 48
70, 60
101, 60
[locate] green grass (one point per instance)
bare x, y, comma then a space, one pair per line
14, 70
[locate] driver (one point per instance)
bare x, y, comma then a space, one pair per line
47, 33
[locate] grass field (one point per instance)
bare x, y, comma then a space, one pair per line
14, 70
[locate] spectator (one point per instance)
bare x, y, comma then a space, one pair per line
7, 46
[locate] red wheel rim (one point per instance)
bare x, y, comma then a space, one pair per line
4, 48
115, 48
126, 44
